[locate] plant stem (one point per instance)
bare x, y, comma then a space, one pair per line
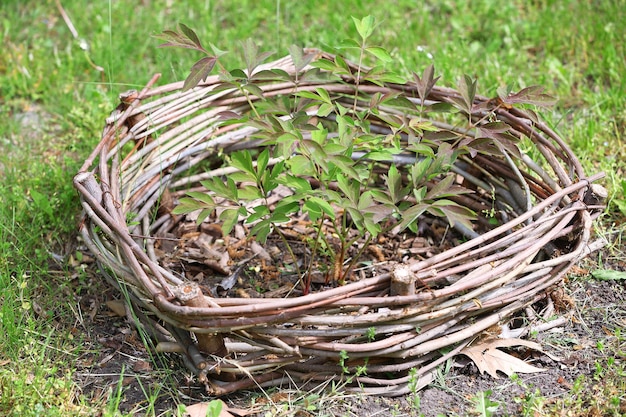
314, 252
305, 290
356, 257
358, 77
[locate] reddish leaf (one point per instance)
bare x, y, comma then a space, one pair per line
199, 72
530, 95
176, 39
228, 115
467, 88
191, 35
426, 83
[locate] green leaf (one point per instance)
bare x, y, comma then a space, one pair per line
385, 77
310, 95
187, 205
229, 218
285, 207
411, 214
483, 405
394, 184
325, 206
325, 109
221, 189
371, 225
422, 125
317, 152
324, 95
252, 56
232, 189
249, 193
419, 170
382, 197
257, 213
319, 135
242, 176
325, 64
350, 188
42, 202
366, 200
345, 165
203, 197
299, 185
453, 212
313, 210
314, 75
203, 215
365, 26
261, 162
299, 57
274, 174
379, 53
279, 217
439, 188
357, 217
379, 155
608, 275
419, 193
254, 90
621, 205
214, 408
334, 148
242, 160
342, 66
261, 230
217, 52
349, 44
301, 165
237, 75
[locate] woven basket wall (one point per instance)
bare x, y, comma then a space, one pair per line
150, 151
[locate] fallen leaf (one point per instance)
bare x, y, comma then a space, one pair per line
117, 307
142, 366
488, 358
215, 408
127, 380
608, 275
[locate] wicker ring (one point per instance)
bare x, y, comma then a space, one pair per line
415, 315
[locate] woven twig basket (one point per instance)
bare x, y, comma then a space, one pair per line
148, 152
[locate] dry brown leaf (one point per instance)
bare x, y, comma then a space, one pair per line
117, 307
200, 410
142, 366
488, 358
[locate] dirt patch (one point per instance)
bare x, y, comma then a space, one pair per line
600, 309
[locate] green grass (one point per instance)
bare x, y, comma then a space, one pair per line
574, 48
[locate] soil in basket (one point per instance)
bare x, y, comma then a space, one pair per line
237, 266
